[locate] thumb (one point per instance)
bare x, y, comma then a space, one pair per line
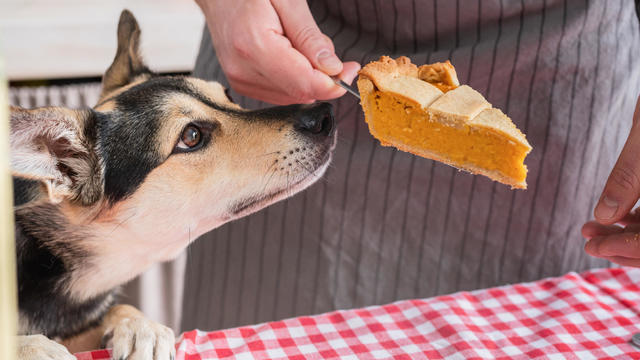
623, 186
305, 36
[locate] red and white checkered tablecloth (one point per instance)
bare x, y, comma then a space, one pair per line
577, 316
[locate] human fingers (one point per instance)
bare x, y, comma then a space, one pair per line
631, 218
623, 186
305, 36
294, 74
270, 95
593, 228
349, 71
283, 79
260, 62
624, 244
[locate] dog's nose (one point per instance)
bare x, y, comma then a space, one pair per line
316, 119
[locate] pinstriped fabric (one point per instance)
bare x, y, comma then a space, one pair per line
557, 90
550, 257
385, 225
585, 137
612, 138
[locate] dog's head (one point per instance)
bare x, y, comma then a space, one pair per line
169, 155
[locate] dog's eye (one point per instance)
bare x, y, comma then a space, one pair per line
190, 138
195, 136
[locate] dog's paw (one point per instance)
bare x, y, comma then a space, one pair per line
141, 339
40, 347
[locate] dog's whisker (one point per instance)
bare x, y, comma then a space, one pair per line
266, 173
121, 223
273, 172
288, 188
268, 169
324, 180
304, 167
269, 153
289, 191
321, 178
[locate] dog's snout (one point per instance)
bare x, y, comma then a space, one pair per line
316, 119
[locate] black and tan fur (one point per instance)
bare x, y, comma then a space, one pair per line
102, 194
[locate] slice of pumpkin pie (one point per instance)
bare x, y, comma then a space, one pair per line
425, 111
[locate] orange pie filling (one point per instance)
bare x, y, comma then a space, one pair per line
404, 124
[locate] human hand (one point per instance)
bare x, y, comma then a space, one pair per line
619, 243
274, 51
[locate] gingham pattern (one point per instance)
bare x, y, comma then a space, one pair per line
578, 316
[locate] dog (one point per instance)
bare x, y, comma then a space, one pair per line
102, 194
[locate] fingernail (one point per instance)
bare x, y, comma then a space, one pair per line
329, 61
606, 208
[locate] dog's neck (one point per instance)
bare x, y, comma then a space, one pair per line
111, 244
97, 256
48, 256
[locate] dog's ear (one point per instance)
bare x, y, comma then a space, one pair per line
127, 64
56, 146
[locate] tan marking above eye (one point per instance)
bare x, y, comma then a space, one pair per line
215, 91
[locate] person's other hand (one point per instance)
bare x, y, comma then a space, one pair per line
274, 51
620, 244
617, 243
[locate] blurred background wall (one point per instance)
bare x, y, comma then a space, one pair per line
55, 53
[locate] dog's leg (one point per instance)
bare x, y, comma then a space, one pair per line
134, 337
39, 347
129, 334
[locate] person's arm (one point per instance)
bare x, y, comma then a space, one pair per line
274, 51
619, 243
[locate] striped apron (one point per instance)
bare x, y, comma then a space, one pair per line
385, 225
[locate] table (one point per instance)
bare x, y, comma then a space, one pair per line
577, 316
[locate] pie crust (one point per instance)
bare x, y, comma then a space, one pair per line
425, 111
